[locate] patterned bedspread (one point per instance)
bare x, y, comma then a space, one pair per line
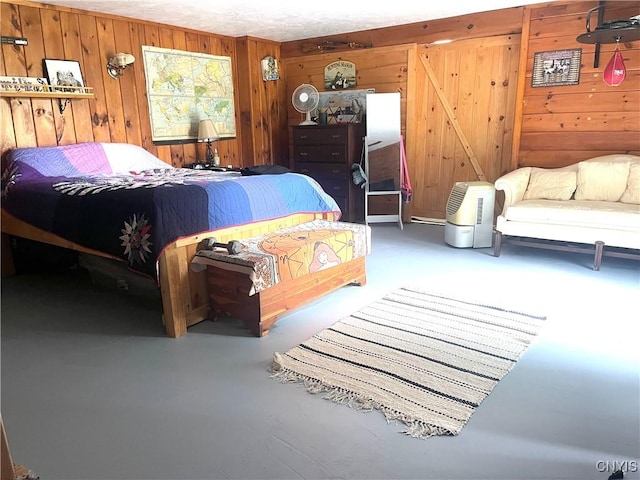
291, 252
102, 197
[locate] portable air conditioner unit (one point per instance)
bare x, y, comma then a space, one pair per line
470, 215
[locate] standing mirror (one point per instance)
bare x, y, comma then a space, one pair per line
383, 195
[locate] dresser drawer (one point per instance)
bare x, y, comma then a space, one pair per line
320, 153
326, 153
323, 135
335, 187
315, 169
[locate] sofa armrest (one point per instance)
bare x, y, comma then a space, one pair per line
514, 184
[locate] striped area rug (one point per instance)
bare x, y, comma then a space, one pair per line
422, 359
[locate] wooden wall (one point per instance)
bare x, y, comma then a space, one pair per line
544, 126
263, 105
119, 111
551, 126
389, 67
463, 117
386, 69
564, 124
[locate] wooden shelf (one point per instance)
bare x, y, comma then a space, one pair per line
50, 91
46, 94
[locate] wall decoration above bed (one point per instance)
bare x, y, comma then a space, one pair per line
65, 74
184, 87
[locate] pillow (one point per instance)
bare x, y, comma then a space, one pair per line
60, 161
127, 158
632, 193
550, 185
90, 158
605, 181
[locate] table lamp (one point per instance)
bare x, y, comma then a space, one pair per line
207, 133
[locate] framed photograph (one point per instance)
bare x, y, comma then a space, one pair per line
556, 67
63, 75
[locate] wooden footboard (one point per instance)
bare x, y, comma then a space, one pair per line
185, 299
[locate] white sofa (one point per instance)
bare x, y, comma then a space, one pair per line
586, 207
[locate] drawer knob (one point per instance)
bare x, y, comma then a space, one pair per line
303, 154
335, 154
304, 136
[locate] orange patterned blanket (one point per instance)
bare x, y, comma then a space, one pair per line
291, 252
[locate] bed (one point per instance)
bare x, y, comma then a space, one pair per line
121, 202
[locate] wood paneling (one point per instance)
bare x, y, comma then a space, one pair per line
119, 111
435, 155
386, 69
466, 117
565, 124
485, 24
543, 126
391, 61
263, 113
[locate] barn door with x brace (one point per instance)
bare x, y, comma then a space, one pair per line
464, 109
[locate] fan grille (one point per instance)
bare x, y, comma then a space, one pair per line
305, 98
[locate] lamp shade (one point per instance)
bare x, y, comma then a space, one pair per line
122, 59
207, 131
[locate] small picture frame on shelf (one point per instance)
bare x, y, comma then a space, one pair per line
63, 75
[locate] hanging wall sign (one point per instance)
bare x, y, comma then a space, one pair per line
557, 67
270, 69
340, 75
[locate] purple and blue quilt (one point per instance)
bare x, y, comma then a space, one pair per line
121, 200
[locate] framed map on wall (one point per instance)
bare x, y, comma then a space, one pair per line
184, 88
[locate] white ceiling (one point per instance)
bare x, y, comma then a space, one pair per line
287, 20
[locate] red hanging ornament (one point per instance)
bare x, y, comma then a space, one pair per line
615, 70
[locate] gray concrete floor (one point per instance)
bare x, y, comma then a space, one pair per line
92, 389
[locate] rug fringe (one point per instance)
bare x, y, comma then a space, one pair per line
415, 428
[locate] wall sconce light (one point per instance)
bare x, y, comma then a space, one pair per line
207, 133
117, 64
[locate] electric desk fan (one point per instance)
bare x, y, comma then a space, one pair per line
305, 99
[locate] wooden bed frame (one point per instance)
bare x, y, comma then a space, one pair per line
185, 296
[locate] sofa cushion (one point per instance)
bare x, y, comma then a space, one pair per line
550, 185
602, 180
579, 213
632, 193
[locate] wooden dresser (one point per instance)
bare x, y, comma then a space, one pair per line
326, 153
